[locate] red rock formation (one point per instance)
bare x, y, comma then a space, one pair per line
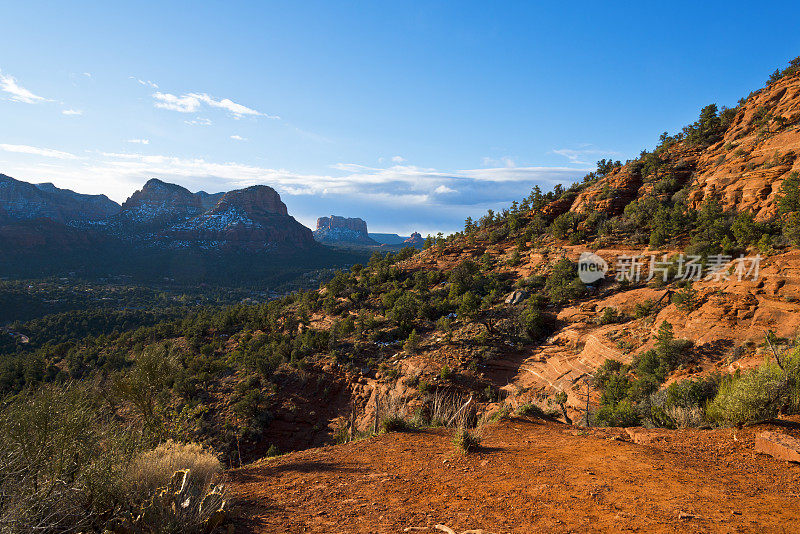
415, 240
251, 218
335, 229
744, 170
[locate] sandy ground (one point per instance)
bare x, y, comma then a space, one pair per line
529, 476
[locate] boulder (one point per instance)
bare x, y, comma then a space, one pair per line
515, 297
781, 446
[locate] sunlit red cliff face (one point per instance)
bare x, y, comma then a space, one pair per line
743, 171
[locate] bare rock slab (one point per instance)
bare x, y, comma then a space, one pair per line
781, 446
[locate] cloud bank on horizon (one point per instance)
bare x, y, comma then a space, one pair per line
396, 189
401, 196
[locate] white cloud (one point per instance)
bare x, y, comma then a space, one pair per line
398, 159
37, 151
386, 188
238, 138
139, 141
146, 83
193, 102
72, 112
8, 84
499, 162
182, 104
582, 153
87, 74
199, 122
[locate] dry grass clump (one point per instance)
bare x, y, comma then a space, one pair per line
153, 469
447, 409
686, 416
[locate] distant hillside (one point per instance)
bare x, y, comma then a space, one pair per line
162, 230
388, 239
21, 201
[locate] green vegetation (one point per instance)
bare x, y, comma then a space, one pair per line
466, 441
625, 390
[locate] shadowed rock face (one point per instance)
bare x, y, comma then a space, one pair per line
250, 218
335, 229
160, 214
22, 201
158, 205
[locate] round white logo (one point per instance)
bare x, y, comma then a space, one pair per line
591, 267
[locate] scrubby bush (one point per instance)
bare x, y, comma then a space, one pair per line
534, 321
395, 423
563, 284
758, 395
530, 409
686, 299
153, 469
466, 441
610, 315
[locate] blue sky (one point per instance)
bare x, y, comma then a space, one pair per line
409, 115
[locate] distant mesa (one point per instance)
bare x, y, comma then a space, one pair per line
343, 230
388, 239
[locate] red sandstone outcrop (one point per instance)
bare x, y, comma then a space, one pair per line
335, 229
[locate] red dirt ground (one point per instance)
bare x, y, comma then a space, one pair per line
530, 476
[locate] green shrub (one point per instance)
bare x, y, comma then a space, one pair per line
563, 284
758, 395
686, 299
466, 441
530, 409
446, 373
395, 423
609, 316
533, 321
643, 309
502, 414
622, 413
411, 344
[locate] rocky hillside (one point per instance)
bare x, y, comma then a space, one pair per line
21, 201
251, 218
158, 215
171, 216
342, 230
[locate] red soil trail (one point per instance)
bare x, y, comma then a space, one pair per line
530, 476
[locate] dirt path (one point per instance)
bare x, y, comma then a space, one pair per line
531, 476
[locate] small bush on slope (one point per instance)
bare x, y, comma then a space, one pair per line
758, 395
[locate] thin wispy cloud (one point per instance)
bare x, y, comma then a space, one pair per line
398, 159
498, 162
199, 122
139, 141
194, 102
9, 85
38, 151
238, 138
146, 83
72, 112
584, 153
